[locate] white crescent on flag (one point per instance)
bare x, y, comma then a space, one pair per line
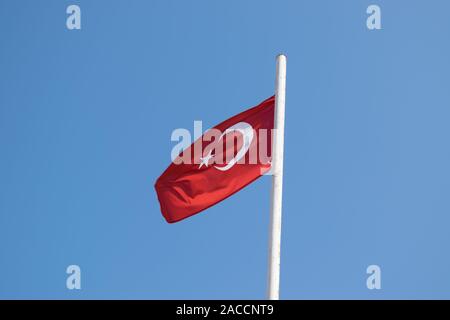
247, 134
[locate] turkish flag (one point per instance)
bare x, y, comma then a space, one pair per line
224, 160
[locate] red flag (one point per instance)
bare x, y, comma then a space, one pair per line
220, 163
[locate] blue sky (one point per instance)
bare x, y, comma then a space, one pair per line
85, 123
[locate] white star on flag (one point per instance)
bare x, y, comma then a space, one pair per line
205, 160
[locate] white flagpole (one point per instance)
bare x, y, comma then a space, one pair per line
277, 181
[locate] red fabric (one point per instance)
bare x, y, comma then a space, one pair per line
186, 189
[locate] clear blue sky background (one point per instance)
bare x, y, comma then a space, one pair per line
85, 124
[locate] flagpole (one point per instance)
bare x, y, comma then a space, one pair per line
277, 181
